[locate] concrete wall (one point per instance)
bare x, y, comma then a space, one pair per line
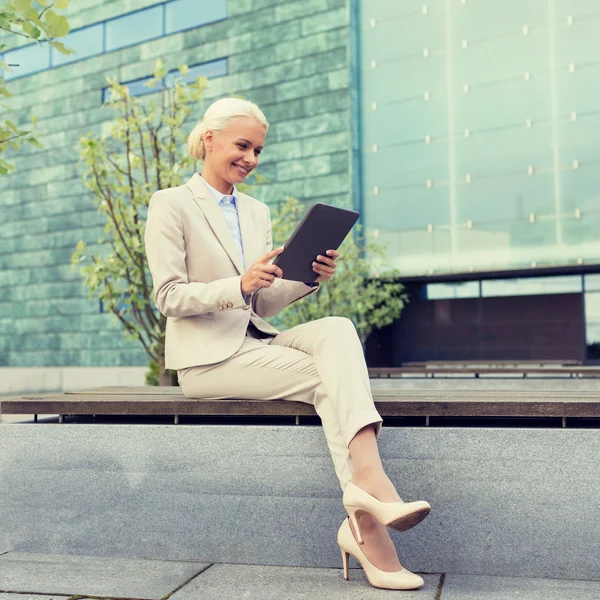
521, 502
290, 56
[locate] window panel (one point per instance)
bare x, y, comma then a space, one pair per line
531, 286
392, 124
579, 140
406, 164
505, 199
592, 317
85, 42
504, 151
408, 209
27, 60
487, 18
578, 91
492, 60
459, 289
577, 8
419, 252
134, 28
509, 103
592, 284
400, 79
138, 87
184, 14
411, 31
579, 42
215, 68
580, 238
581, 189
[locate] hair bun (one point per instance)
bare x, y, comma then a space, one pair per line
216, 118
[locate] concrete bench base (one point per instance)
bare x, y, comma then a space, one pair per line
512, 502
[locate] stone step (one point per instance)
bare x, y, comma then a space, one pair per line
518, 502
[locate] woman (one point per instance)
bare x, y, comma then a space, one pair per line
209, 249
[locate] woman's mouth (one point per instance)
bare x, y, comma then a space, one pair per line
241, 170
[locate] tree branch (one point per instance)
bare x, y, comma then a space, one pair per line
108, 199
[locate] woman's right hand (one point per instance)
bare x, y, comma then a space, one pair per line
261, 274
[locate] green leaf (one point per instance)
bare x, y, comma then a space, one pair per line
58, 25
61, 47
35, 142
21, 6
61, 4
5, 168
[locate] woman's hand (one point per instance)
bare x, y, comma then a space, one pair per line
261, 274
325, 265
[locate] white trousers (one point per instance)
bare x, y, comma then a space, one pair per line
320, 362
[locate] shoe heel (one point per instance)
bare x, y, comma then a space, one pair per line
352, 510
345, 556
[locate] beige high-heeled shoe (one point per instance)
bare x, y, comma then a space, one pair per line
396, 515
390, 580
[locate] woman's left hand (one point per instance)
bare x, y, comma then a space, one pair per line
325, 266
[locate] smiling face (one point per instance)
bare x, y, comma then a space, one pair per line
232, 154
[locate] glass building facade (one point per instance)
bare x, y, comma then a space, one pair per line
479, 127
463, 131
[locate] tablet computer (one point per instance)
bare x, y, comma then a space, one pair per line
324, 227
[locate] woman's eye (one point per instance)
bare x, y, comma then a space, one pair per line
242, 146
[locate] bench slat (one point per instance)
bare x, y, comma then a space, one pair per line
123, 401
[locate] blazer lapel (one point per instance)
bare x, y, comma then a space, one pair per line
205, 200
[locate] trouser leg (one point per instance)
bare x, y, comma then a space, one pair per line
339, 359
334, 379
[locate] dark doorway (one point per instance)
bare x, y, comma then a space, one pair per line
541, 327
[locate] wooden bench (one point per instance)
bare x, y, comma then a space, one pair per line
399, 402
485, 369
490, 363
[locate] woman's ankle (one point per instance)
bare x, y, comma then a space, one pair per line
377, 483
368, 473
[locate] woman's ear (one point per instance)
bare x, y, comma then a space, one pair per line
208, 141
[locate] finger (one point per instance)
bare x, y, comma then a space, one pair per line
271, 269
323, 269
326, 260
267, 277
333, 253
269, 255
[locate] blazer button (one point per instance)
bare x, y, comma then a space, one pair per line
245, 307
230, 305
220, 307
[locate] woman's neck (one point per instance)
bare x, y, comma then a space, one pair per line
217, 182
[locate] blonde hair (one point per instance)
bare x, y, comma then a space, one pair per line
217, 117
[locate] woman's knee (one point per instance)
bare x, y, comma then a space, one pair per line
335, 324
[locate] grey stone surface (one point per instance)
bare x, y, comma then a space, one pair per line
255, 582
31, 597
473, 587
504, 501
93, 575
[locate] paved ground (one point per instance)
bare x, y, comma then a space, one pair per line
27, 576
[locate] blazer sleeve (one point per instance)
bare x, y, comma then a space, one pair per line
174, 295
267, 302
